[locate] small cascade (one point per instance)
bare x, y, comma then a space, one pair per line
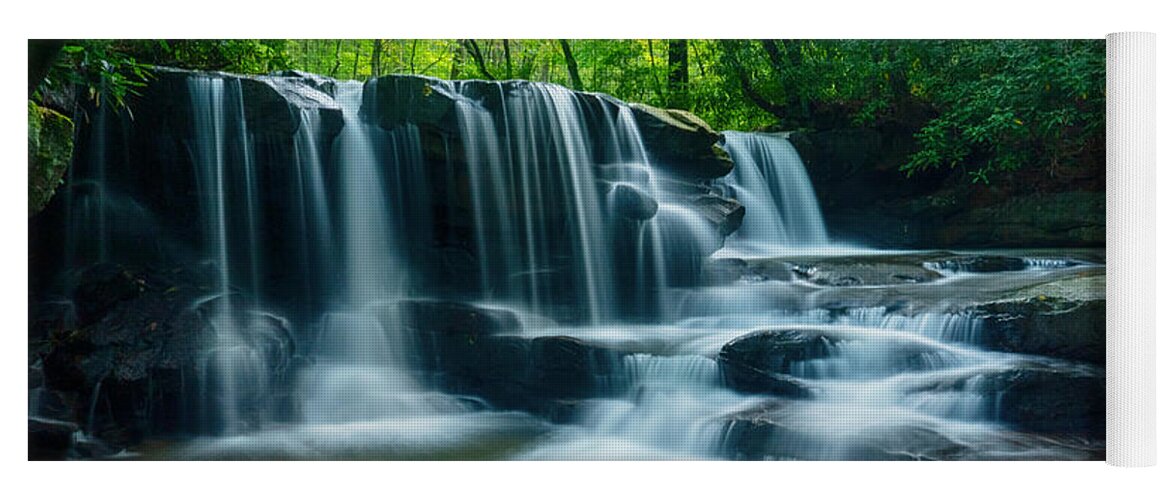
234, 374
312, 202
770, 181
373, 266
362, 373
532, 152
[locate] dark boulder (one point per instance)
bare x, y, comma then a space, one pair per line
141, 359
49, 439
977, 264
1063, 319
1066, 219
103, 286
421, 100
628, 201
272, 104
473, 351
760, 361
725, 214
1051, 399
682, 143
862, 271
50, 150
781, 430
775, 431
459, 319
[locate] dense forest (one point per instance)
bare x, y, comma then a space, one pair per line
982, 106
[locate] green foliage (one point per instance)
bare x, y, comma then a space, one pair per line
50, 149
102, 69
1008, 104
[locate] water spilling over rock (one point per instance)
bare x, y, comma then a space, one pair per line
293, 267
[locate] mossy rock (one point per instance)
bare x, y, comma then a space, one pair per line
50, 149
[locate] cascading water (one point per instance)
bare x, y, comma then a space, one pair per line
362, 373
535, 154
591, 246
770, 178
233, 373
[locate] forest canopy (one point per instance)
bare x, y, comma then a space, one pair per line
984, 106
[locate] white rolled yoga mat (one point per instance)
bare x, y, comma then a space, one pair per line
1131, 329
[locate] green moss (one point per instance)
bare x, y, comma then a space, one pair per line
50, 149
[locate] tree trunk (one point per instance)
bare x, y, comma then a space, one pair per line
357, 57
698, 58
677, 73
478, 57
456, 59
571, 64
414, 49
337, 59
507, 60
657, 87
376, 59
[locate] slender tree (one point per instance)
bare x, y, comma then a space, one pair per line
456, 60
571, 64
478, 57
376, 59
337, 58
357, 57
677, 73
507, 60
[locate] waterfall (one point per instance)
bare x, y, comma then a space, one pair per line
771, 182
312, 202
373, 267
521, 212
527, 160
221, 159
363, 373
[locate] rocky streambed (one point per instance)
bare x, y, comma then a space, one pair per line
927, 355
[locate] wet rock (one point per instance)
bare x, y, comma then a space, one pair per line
272, 103
1069, 219
848, 271
977, 264
459, 319
50, 150
725, 214
471, 350
141, 359
1063, 319
627, 200
566, 367
775, 431
103, 286
760, 361
414, 99
49, 439
781, 430
1051, 400
682, 143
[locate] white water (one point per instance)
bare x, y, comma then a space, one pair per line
233, 373
770, 178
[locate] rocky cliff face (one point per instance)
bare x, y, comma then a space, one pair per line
866, 199
50, 149
150, 179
